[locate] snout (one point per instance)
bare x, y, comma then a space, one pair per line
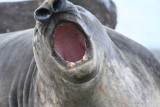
49, 7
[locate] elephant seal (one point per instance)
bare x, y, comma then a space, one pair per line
75, 62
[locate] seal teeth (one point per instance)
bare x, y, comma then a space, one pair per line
85, 58
72, 64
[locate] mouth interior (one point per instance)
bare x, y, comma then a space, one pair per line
69, 42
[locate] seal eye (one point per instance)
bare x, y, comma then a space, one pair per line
69, 42
80, 8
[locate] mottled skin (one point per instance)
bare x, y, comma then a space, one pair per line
118, 73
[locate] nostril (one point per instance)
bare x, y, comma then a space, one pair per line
58, 5
42, 14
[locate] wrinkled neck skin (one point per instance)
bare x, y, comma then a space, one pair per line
57, 86
58, 92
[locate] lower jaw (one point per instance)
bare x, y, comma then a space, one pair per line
80, 72
68, 93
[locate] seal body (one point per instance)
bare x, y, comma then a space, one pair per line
15, 57
75, 61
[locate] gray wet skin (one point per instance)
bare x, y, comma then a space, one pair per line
117, 72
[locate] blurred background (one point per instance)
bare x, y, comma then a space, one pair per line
136, 19
140, 21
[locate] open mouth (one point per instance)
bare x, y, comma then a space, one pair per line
70, 43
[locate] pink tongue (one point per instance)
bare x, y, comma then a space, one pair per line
69, 43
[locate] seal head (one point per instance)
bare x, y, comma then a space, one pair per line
68, 40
